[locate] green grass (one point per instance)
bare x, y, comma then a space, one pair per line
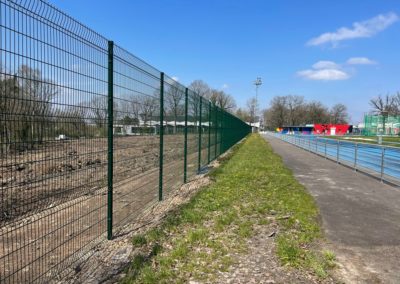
197, 240
139, 240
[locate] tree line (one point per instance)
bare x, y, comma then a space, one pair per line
146, 108
218, 97
30, 111
25, 108
34, 109
295, 110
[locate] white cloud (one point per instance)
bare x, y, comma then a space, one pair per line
175, 78
324, 74
363, 29
325, 65
324, 71
225, 86
360, 61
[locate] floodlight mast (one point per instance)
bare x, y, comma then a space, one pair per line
257, 83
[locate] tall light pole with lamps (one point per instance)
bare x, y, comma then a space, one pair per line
257, 83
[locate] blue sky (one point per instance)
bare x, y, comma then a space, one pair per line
331, 51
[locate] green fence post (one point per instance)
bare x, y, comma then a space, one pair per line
200, 130
219, 131
215, 130
209, 132
221, 149
161, 158
110, 155
186, 133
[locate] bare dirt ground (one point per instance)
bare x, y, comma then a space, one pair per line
58, 171
109, 259
54, 199
360, 215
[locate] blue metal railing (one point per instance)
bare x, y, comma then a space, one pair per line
379, 161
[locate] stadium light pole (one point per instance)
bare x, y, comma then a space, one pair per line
257, 83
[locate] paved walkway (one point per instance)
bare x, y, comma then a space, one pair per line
360, 215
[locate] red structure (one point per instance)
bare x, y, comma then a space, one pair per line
332, 129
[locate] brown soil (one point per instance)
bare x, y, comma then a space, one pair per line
54, 199
110, 258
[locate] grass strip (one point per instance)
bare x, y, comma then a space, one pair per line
198, 239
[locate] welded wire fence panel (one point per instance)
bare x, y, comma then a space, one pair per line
90, 137
381, 125
193, 133
204, 133
136, 125
219, 131
53, 147
174, 139
213, 138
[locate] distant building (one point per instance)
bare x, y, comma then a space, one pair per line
317, 129
152, 127
255, 126
332, 129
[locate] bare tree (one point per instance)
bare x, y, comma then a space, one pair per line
252, 109
194, 107
98, 111
317, 113
385, 104
174, 98
339, 114
125, 115
296, 109
26, 106
71, 120
135, 108
223, 100
38, 93
397, 102
149, 106
243, 114
276, 115
77, 116
201, 88
13, 123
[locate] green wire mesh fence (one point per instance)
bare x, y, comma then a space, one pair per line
90, 136
381, 125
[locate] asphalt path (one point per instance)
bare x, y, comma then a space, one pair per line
360, 215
